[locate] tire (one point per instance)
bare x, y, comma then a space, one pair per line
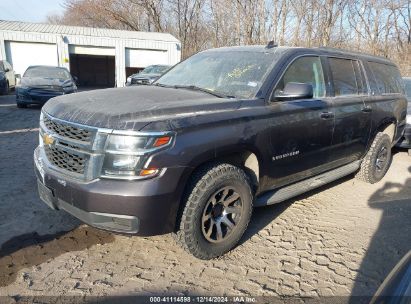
211, 196
21, 105
377, 160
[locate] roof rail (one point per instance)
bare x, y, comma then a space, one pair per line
347, 50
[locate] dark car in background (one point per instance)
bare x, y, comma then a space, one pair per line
40, 83
7, 77
405, 141
148, 75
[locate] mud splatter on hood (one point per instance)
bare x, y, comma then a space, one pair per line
133, 108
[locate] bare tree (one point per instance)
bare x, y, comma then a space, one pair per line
380, 27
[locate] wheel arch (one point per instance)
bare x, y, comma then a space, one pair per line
245, 158
387, 126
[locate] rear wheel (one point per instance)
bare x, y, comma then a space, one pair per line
377, 161
217, 211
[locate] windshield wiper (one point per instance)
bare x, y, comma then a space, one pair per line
195, 88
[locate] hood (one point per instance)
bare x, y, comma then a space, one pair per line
41, 82
133, 108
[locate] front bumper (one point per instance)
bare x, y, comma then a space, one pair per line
141, 207
35, 96
405, 140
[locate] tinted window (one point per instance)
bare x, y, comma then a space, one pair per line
305, 70
343, 75
387, 77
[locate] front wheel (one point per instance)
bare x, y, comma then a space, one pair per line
217, 211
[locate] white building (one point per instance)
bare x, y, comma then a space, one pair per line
98, 57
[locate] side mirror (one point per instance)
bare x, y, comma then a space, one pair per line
294, 90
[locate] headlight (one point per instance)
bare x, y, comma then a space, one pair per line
124, 143
129, 79
68, 89
408, 119
126, 155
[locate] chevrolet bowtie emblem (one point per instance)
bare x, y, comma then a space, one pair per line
47, 139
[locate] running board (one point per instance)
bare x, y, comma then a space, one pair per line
282, 194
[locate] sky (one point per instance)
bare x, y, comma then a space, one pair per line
29, 10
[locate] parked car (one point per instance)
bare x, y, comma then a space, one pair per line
148, 75
40, 83
222, 132
396, 288
405, 141
7, 77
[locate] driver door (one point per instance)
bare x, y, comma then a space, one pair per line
301, 128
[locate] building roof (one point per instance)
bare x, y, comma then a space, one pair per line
83, 31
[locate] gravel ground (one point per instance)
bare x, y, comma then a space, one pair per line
342, 239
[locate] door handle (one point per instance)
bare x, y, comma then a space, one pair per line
366, 109
327, 115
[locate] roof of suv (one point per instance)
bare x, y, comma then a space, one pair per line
316, 50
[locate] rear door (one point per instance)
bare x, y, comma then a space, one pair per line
301, 130
352, 116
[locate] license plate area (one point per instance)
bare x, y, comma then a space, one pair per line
46, 195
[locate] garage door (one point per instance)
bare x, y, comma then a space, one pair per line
137, 58
91, 50
24, 54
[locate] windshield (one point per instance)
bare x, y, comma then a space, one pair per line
230, 73
155, 69
47, 72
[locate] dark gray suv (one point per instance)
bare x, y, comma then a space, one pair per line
220, 133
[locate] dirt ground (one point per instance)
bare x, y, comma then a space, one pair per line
342, 239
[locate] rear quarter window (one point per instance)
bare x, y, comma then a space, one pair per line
387, 78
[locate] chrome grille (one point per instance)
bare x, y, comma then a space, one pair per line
68, 131
65, 160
